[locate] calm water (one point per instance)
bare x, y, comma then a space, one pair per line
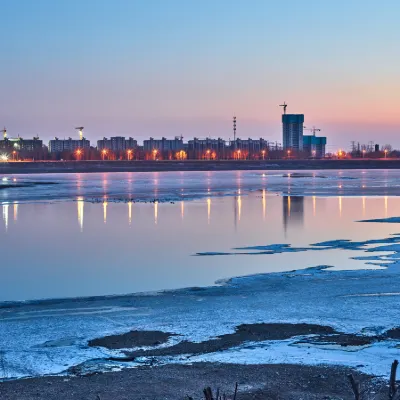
78, 247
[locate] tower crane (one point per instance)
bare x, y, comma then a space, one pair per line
284, 105
313, 130
80, 129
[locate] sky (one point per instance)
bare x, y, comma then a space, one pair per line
158, 68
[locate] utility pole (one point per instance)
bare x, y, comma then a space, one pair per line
234, 132
284, 105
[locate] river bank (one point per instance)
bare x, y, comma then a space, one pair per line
190, 165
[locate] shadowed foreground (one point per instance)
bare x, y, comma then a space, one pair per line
174, 382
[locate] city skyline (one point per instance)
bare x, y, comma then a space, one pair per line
142, 69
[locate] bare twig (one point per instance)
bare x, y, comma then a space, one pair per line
236, 388
355, 386
392, 382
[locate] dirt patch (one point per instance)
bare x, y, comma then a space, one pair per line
131, 339
243, 333
393, 333
341, 339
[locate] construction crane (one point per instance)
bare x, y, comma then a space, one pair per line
80, 129
313, 130
284, 105
4, 132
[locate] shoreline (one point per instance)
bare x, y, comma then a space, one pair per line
175, 382
42, 167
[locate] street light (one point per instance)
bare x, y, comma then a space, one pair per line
386, 151
129, 154
155, 153
363, 153
103, 153
263, 154
314, 153
78, 154
14, 155
288, 153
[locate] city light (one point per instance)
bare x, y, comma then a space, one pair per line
263, 154
129, 154
103, 153
78, 154
4, 157
155, 151
181, 155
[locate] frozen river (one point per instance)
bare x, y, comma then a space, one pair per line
87, 236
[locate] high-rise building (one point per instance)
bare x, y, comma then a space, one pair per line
20, 144
163, 144
293, 131
59, 145
314, 145
116, 143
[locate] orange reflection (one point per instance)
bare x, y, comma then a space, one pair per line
239, 201
386, 206
264, 203
15, 211
156, 212
5, 215
314, 205
208, 210
363, 206
340, 206
182, 209
130, 212
289, 204
105, 204
80, 204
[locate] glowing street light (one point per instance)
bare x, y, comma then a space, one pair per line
4, 157
103, 153
129, 154
288, 153
14, 153
263, 154
385, 151
314, 153
155, 151
363, 153
78, 154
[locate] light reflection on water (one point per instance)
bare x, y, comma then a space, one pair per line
80, 248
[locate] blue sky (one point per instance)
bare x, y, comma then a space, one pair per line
172, 67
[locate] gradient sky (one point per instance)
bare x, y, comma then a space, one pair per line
170, 67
